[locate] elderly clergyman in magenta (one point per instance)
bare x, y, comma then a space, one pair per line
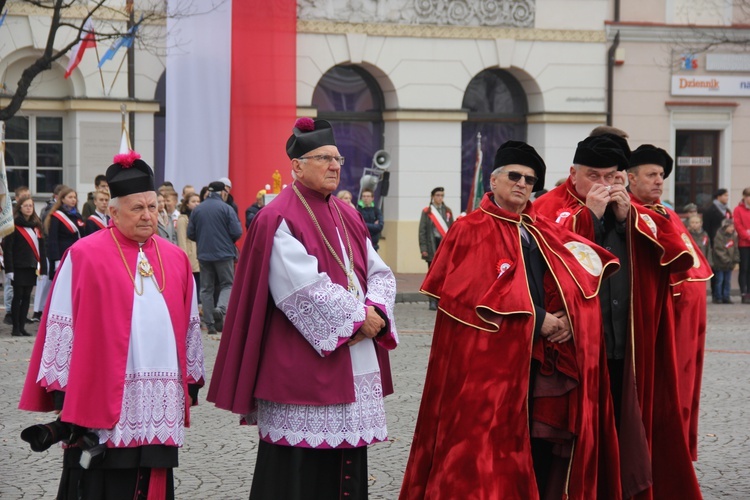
119, 353
304, 352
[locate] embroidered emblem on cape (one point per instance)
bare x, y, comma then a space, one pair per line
729, 244
650, 223
502, 266
691, 249
586, 256
562, 215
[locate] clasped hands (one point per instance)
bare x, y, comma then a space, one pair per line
600, 195
556, 327
370, 328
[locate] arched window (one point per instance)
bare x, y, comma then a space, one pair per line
351, 100
497, 108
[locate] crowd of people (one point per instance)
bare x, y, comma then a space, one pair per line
566, 359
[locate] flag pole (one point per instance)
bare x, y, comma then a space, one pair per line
101, 76
117, 73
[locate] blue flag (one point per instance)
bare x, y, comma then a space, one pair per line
2, 18
125, 40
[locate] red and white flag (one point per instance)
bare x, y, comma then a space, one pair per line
88, 39
232, 93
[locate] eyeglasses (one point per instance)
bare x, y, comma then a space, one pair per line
516, 176
324, 158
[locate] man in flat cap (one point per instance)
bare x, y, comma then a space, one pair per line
668, 325
126, 380
514, 374
434, 223
304, 354
215, 227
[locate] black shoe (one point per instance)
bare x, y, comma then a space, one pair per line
20, 333
8, 320
29, 321
212, 331
218, 319
716, 301
727, 301
37, 317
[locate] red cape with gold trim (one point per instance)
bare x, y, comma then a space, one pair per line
565, 207
656, 251
689, 295
472, 438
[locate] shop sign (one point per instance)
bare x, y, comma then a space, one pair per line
711, 85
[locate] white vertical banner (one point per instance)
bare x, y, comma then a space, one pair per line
6, 208
198, 93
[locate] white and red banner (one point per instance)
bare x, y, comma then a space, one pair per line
87, 39
231, 94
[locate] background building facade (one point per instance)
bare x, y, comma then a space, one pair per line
419, 79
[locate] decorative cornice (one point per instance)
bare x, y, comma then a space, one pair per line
425, 115
459, 32
701, 104
673, 33
78, 12
101, 105
537, 118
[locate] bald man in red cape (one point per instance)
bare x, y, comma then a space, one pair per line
477, 422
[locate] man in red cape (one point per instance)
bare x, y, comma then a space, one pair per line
657, 342
594, 203
515, 403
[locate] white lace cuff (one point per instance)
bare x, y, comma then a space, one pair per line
195, 369
58, 345
324, 313
381, 289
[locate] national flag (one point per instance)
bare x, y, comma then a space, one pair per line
76, 53
125, 40
6, 209
2, 18
477, 183
220, 112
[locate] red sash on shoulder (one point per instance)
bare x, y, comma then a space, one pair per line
69, 224
98, 222
32, 238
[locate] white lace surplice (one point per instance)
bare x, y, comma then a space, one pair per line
325, 314
153, 405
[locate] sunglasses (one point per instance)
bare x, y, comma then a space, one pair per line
516, 176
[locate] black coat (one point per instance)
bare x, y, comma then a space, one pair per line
60, 238
712, 219
18, 253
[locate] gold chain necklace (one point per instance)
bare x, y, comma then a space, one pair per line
144, 268
350, 271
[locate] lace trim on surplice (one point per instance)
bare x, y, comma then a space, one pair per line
58, 345
153, 411
323, 312
381, 289
332, 426
195, 368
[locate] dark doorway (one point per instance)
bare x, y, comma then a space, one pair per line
696, 168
